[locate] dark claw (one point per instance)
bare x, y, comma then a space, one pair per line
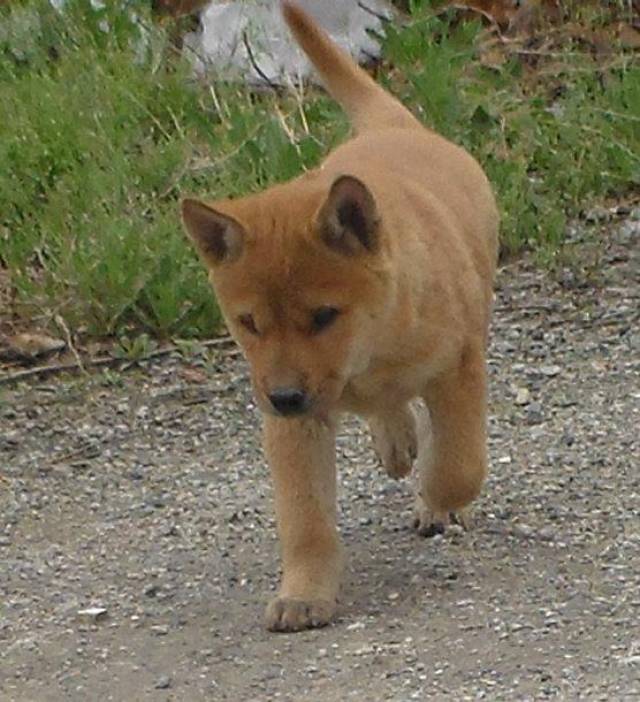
431, 530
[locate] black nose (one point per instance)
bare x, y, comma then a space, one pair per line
289, 401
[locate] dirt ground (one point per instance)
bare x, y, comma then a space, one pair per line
145, 494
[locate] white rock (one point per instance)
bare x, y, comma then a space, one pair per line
93, 614
228, 28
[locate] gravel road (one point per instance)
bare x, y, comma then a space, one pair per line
137, 543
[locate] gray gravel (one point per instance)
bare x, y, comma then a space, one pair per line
137, 544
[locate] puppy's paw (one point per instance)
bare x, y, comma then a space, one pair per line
399, 461
292, 614
396, 443
430, 523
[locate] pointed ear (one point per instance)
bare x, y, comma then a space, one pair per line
218, 237
348, 220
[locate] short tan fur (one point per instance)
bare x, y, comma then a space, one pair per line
358, 287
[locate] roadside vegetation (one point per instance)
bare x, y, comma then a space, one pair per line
102, 132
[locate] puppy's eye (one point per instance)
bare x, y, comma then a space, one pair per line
248, 323
323, 317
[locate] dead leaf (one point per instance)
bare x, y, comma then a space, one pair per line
193, 375
493, 57
629, 36
26, 347
497, 12
534, 14
602, 41
527, 19
177, 8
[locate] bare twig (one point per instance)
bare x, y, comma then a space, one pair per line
298, 91
176, 124
619, 115
489, 17
525, 308
371, 58
103, 362
196, 165
46, 371
224, 115
67, 334
622, 147
254, 64
287, 129
142, 107
383, 18
303, 115
177, 177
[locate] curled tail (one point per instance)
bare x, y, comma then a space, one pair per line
365, 102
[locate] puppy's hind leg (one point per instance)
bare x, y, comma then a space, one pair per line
394, 435
453, 469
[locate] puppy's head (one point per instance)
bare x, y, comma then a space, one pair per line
301, 277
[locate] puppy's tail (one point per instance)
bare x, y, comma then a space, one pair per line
365, 102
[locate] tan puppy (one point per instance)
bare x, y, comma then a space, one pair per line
355, 288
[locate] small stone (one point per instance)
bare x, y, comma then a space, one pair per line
163, 682
534, 413
597, 214
551, 371
522, 396
160, 629
523, 530
93, 614
355, 626
546, 534
629, 231
169, 530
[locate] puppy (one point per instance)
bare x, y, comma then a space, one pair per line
358, 287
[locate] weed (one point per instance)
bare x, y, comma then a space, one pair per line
110, 379
134, 349
190, 350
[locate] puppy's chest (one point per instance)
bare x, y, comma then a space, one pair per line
383, 386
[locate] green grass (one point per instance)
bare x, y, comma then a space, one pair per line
550, 143
101, 134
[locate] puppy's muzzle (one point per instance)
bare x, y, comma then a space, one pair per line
289, 402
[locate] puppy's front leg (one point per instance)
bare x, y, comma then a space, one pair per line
301, 455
